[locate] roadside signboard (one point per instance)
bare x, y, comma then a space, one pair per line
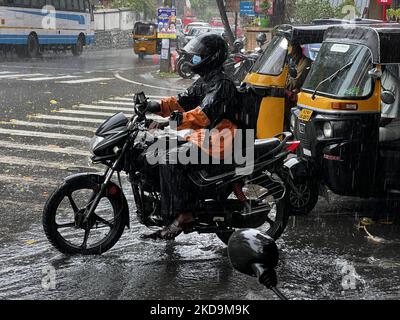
247, 8
166, 18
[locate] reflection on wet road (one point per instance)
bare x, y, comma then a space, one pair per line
321, 256
43, 139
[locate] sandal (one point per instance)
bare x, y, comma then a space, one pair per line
169, 232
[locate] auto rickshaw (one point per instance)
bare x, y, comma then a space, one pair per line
268, 77
348, 112
266, 103
145, 39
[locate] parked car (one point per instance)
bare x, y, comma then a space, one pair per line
195, 24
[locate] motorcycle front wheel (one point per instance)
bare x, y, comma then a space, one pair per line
64, 211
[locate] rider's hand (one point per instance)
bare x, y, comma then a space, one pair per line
153, 107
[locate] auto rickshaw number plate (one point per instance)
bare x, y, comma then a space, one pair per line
305, 115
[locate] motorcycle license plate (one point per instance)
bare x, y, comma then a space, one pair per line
305, 115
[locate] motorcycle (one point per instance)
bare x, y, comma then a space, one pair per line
183, 64
238, 65
88, 212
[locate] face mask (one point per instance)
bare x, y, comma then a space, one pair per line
196, 59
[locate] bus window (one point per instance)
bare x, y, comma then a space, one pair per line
63, 5
81, 5
56, 4
38, 3
87, 6
22, 3
69, 5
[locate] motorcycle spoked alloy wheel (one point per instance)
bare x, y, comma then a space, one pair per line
63, 217
276, 215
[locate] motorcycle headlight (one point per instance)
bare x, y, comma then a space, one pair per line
328, 130
292, 122
94, 142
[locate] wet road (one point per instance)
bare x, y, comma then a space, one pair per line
49, 109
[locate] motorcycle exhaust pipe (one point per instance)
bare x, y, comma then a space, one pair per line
251, 219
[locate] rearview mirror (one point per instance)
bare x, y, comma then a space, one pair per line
388, 97
375, 74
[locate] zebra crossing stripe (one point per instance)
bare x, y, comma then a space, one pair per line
89, 113
84, 80
39, 163
97, 107
20, 146
50, 78
116, 103
66, 118
47, 125
12, 76
39, 134
32, 180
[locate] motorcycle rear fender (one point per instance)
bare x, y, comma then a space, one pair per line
99, 178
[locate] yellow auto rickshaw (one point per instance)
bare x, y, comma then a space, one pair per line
268, 77
145, 39
348, 113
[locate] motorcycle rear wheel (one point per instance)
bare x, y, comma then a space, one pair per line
67, 202
183, 69
278, 218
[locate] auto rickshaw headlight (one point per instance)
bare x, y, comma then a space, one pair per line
292, 122
328, 130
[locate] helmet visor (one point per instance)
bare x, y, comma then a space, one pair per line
196, 47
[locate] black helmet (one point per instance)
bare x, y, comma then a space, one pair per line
261, 38
209, 52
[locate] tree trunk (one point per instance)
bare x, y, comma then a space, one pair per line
229, 34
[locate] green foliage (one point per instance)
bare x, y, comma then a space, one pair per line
347, 10
304, 11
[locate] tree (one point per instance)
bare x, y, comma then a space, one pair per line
305, 11
229, 34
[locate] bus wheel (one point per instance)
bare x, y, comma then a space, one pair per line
77, 48
32, 47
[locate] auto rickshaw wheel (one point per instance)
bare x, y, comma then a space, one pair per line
303, 197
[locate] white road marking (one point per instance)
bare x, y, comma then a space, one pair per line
27, 180
118, 103
39, 163
130, 97
66, 118
13, 76
50, 78
6, 72
39, 134
47, 125
122, 99
118, 76
84, 80
97, 107
89, 113
20, 146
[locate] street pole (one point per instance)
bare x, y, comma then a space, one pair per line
165, 61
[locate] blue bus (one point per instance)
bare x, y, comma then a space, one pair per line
31, 26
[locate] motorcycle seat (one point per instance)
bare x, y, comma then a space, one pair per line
263, 146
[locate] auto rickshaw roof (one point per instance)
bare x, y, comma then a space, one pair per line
382, 39
302, 34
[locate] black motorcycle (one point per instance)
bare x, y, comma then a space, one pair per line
88, 212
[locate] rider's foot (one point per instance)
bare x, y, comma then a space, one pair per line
182, 222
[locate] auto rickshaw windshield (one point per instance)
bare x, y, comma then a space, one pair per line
347, 66
273, 59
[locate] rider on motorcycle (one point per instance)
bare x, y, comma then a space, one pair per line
209, 103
